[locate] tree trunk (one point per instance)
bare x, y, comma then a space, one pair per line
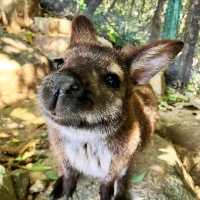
156, 21
92, 6
131, 7
111, 6
143, 6
190, 39
170, 30
172, 17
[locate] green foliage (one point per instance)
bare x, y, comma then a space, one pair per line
194, 84
121, 25
2, 173
138, 178
51, 175
38, 166
115, 31
82, 6
172, 96
112, 34
130, 22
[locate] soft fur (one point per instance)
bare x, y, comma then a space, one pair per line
99, 108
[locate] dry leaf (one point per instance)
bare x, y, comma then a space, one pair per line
26, 116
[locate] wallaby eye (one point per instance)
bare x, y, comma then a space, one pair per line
57, 63
112, 80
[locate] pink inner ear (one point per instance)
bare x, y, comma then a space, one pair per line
158, 61
146, 67
151, 58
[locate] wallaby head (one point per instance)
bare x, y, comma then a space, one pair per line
92, 84
99, 107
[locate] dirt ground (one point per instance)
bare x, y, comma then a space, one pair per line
169, 169
24, 146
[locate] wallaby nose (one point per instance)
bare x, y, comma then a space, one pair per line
70, 85
66, 86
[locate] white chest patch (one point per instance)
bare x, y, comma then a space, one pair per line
86, 151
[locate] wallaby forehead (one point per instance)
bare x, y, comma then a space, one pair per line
94, 56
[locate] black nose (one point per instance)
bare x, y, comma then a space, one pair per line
65, 87
70, 85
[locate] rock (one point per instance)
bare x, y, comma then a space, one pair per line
6, 186
87, 189
38, 186
54, 36
193, 104
55, 46
44, 195
30, 197
52, 47
154, 177
161, 180
52, 26
195, 172
21, 181
16, 14
174, 189
7, 7
34, 176
181, 126
21, 68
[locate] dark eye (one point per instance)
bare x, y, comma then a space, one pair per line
112, 80
57, 63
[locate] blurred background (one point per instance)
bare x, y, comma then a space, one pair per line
32, 32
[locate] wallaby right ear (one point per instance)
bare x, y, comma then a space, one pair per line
150, 59
83, 31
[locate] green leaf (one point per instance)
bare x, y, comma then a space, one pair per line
82, 5
2, 173
51, 175
163, 103
172, 98
138, 178
113, 36
37, 167
19, 158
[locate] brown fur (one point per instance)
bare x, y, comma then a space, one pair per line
127, 120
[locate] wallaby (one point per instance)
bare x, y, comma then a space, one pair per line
99, 108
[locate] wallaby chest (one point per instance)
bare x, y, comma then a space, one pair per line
86, 151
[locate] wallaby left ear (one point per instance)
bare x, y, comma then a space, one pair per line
83, 31
150, 59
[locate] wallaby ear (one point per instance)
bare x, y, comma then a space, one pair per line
150, 59
82, 31
129, 51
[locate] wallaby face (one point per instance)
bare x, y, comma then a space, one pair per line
88, 90
99, 108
